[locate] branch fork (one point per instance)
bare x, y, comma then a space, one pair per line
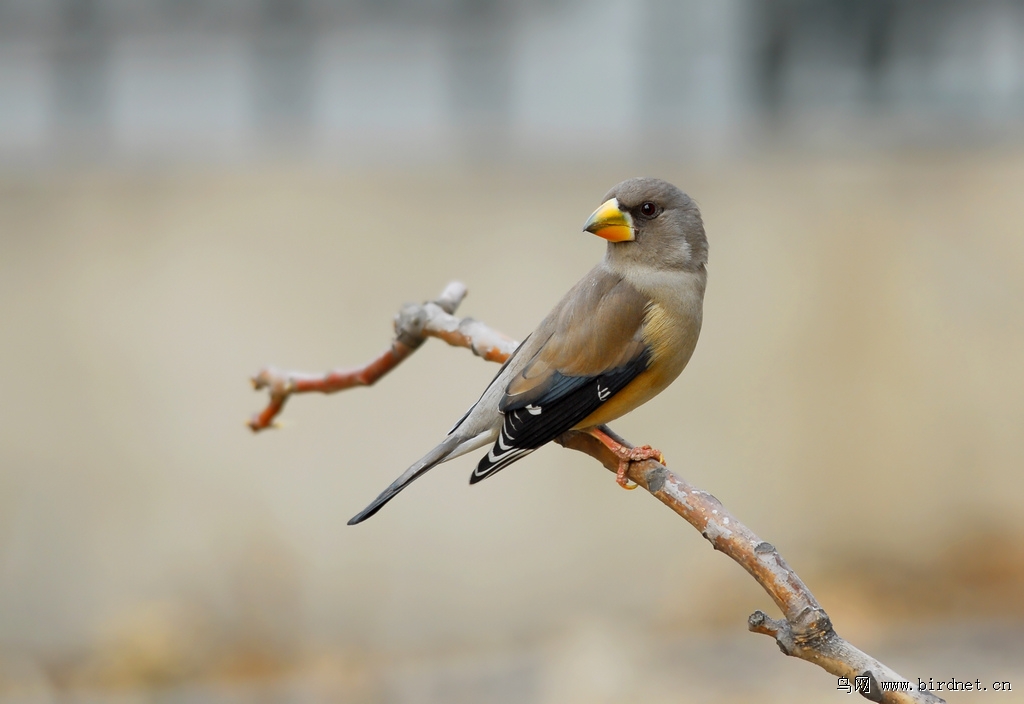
805, 631
414, 323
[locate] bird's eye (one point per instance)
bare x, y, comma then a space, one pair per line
649, 210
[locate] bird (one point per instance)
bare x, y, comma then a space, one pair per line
618, 338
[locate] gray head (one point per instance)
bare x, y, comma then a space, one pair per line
650, 222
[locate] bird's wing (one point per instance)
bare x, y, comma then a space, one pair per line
589, 348
513, 359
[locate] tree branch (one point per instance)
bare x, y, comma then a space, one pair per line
413, 325
805, 630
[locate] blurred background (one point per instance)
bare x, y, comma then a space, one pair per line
192, 189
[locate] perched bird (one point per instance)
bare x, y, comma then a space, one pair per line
616, 340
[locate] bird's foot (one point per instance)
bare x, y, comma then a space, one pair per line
629, 455
626, 455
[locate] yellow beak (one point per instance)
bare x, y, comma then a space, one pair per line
611, 223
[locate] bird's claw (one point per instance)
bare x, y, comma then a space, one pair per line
621, 479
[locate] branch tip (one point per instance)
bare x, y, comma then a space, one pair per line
760, 622
452, 296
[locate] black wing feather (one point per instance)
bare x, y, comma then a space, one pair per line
569, 400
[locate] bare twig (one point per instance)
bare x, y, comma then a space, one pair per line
413, 324
805, 630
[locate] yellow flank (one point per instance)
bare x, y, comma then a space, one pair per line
671, 344
643, 388
660, 332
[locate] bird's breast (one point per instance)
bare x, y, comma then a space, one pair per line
671, 336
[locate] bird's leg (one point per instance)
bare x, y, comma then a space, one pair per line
625, 454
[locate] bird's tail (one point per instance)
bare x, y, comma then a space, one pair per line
453, 446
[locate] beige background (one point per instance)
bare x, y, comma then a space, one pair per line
857, 398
